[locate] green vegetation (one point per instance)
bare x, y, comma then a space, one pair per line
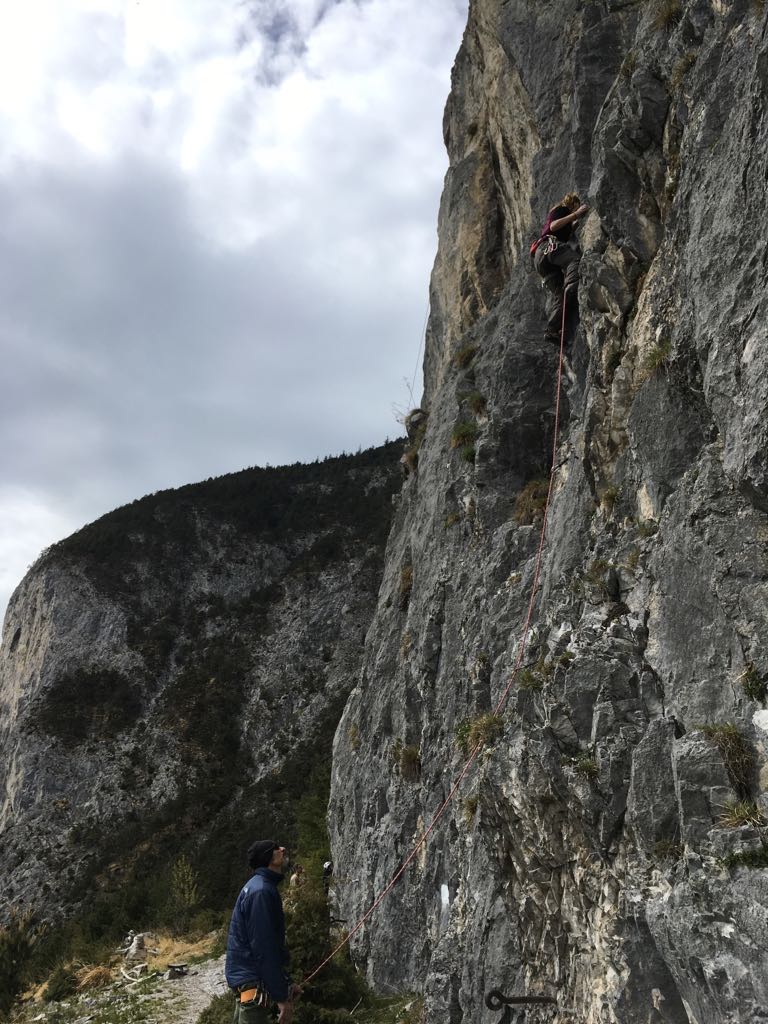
480, 731
608, 497
17, 942
61, 984
464, 434
451, 519
667, 849
528, 680
628, 65
681, 69
648, 528
736, 753
747, 859
469, 808
754, 685
88, 704
464, 357
184, 896
468, 453
477, 403
633, 559
657, 357
531, 502
742, 812
407, 760
597, 572
587, 766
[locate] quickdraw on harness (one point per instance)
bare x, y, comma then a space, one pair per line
549, 242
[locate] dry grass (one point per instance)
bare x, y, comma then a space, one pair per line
530, 502
480, 731
464, 357
95, 976
668, 14
734, 815
169, 949
406, 586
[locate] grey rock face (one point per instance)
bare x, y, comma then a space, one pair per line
593, 852
171, 671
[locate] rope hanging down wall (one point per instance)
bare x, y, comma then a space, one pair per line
502, 700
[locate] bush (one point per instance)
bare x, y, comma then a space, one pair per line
468, 453
219, 1011
531, 502
735, 751
17, 941
184, 896
61, 984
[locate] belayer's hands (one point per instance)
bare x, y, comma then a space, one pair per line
294, 992
286, 1012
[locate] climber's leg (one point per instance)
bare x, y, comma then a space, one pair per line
553, 282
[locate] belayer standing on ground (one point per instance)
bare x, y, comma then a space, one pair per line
556, 256
257, 957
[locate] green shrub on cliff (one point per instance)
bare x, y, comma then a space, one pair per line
17, 940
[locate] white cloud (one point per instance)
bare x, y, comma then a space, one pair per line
219, 220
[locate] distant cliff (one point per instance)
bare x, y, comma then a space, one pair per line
609, 848
171, 678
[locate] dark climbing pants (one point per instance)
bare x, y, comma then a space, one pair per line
250, 1013
560, 273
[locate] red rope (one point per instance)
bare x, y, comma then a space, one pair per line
520, 653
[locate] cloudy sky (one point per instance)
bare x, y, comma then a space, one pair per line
217, 222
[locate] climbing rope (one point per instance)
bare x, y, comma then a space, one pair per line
502, 700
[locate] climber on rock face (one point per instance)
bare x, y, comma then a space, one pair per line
556, 256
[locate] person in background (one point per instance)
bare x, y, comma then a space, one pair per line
257, 956
556, 256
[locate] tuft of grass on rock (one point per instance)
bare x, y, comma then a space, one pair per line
735, 751
464, 433
531, 502
480, 731
667, 14
464, 357
754, 685
587, 766
477, 403
656, 358
406, 586
742, 812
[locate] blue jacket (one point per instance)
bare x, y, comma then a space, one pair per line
256, 950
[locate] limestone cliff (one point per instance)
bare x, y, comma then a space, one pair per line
171, 677
609, 849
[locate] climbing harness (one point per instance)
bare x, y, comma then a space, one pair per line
502, 700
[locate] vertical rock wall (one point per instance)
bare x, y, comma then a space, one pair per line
608, 849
